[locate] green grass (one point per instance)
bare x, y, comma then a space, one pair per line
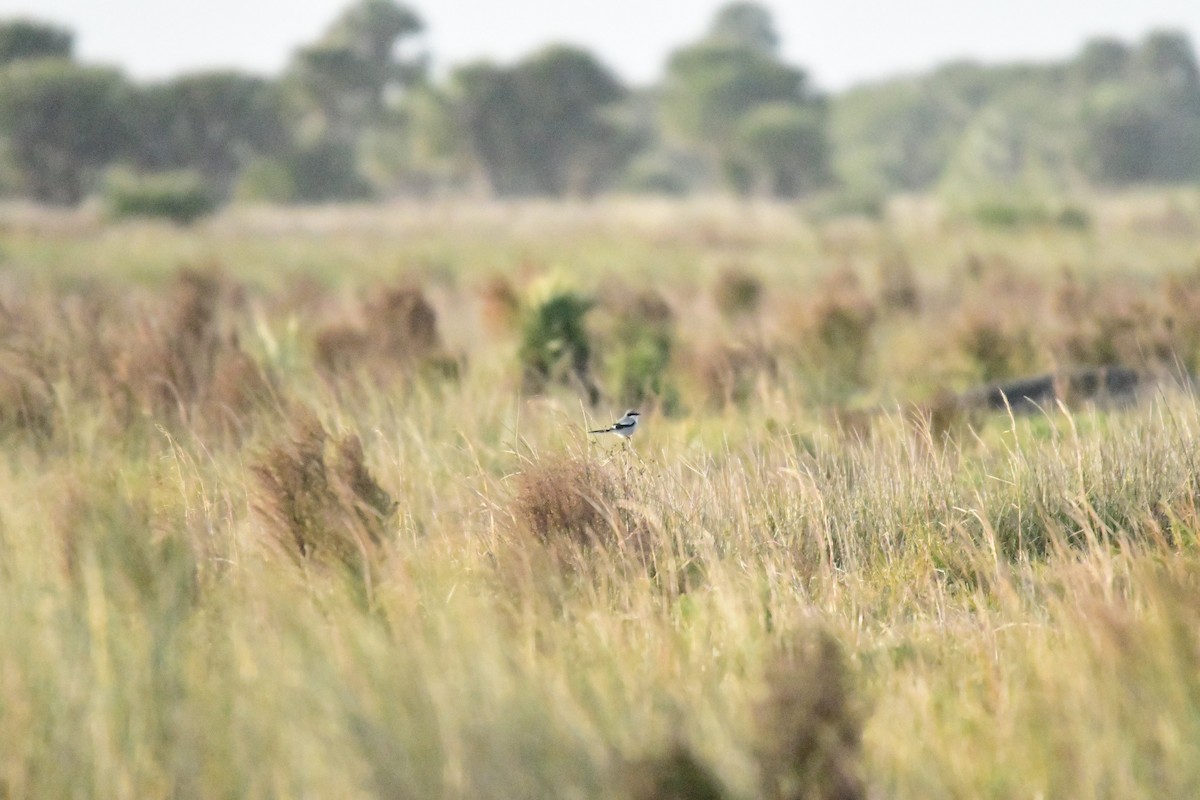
747, 600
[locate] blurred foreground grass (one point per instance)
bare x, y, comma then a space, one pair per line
269, 528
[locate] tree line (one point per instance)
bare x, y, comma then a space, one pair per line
357, 115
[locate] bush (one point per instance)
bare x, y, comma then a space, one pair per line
181, 197
399, 337
566, 499
737, 293
318, 501
554, 343
643, 338
841, 324
1000, 346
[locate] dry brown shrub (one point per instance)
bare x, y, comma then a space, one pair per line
737, 293
898, 283
855, 424
176, 365
1182, 319
29, 361
568, 498
339, 348
399, 337
1000, 345
167, 359
729, 374
837, 326
238, 385
1122, 327
90, 323
501, 305
810, 730
644, 307
317, 499
402, 325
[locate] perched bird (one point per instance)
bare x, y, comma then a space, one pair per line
624, 427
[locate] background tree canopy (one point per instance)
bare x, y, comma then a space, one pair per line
358, 115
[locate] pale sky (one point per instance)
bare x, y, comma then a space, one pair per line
840, 42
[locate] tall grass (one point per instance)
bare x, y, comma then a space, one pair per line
441, 587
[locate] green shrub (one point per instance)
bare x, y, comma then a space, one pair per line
554, 342
181, 197
640, 353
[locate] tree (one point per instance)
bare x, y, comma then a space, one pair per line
745, 25
344, 89
547, 125
1119, 126
713, 86
25, 39
347, 75
1146, 128
710, 86
215, 123
60, 123
1168, 57
784, 148
1103, 59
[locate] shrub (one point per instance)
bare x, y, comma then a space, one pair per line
640, 353
339, 347
400, 333
737, 293
728, 374
501, 305
565, 497
998, 345
319, 503
838, 329
1073, 217
402, 325
165, 363
181, 197
554, 342
26, 397
177, 366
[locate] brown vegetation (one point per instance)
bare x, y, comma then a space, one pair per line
319, 502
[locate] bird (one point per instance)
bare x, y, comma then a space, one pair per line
624, 427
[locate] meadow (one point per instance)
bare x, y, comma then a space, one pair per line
300, 503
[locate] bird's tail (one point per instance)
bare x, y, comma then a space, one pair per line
603, 430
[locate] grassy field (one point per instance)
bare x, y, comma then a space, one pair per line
301, 504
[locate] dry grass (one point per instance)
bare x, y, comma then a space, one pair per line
231, 567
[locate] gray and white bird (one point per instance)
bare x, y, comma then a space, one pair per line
624, 427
